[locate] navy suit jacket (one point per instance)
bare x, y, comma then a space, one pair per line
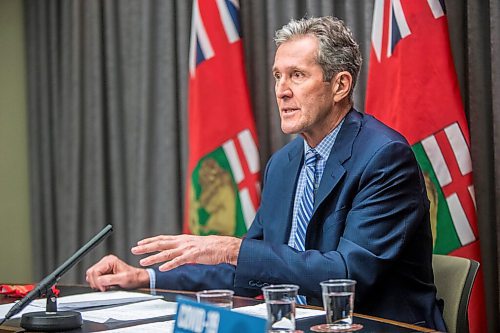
370, 223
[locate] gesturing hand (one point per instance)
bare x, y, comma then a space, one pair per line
187, 249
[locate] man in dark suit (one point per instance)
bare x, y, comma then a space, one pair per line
363, 200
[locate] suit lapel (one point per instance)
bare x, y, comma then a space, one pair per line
341, 151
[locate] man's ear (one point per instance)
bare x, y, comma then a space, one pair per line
342, 85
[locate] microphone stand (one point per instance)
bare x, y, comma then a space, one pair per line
51, 319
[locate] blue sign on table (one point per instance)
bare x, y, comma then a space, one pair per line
193, 317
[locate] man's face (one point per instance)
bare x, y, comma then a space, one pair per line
305, 100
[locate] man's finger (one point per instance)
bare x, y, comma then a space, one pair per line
161, 257
174, 263
104, 282
153, 239
94, 272
104, 266
157, 246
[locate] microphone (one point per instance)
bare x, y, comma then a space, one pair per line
51, 279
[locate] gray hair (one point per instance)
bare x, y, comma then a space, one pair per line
338, 51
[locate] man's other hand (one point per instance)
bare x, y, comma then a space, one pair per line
112, 271
179, 250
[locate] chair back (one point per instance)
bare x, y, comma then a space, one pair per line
454, 278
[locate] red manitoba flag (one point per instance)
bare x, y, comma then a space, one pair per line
223, 165
412, 87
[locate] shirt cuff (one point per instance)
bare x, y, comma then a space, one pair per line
152, 279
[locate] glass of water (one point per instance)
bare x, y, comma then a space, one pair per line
338, 301
218, 297
280, 303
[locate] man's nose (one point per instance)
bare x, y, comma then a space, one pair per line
282, 89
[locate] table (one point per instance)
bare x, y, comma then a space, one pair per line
370, 324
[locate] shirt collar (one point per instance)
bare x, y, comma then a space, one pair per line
325, 146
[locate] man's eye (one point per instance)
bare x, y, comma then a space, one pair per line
277, 76
298, 75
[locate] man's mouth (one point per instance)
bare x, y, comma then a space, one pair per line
289, 110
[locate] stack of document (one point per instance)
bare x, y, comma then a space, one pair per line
107, 306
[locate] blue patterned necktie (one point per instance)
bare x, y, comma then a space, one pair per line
306, 205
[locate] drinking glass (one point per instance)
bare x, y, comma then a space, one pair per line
338, 301
218, 297
280, 303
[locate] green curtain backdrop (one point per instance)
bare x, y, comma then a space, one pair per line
107, 100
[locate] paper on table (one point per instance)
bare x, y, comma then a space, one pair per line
160, 326
82, 301
260, 310
95, 299
135, 311
4, 308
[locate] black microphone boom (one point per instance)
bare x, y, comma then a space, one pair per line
53, 277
